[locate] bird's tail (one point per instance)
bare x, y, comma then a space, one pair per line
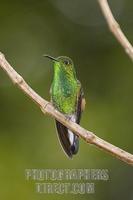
69, 141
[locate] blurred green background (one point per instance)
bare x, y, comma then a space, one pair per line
76, 28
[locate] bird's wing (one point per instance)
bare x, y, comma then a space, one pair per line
80, 104
69, 141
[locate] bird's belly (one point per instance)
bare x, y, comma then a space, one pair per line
64, 103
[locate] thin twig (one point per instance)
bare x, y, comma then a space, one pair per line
115, 28
47, 108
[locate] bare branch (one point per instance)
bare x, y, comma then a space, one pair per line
47, 108
115, 28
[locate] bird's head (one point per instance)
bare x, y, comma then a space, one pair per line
63, 63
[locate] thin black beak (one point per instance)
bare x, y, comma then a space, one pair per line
50, 57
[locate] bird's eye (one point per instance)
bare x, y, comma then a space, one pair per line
66, 62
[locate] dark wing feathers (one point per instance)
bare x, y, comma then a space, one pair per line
64, 139
79, 106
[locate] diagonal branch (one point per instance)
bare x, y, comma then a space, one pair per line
47, 108
115, 28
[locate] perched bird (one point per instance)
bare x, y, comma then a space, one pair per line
68, 98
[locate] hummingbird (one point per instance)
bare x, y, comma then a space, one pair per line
68, 98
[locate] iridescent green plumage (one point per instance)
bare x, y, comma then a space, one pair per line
65, 87
67, 97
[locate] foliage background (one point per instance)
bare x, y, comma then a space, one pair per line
76, 28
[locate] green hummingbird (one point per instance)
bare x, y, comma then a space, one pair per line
67, 97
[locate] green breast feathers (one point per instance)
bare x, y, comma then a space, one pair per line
64, 95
